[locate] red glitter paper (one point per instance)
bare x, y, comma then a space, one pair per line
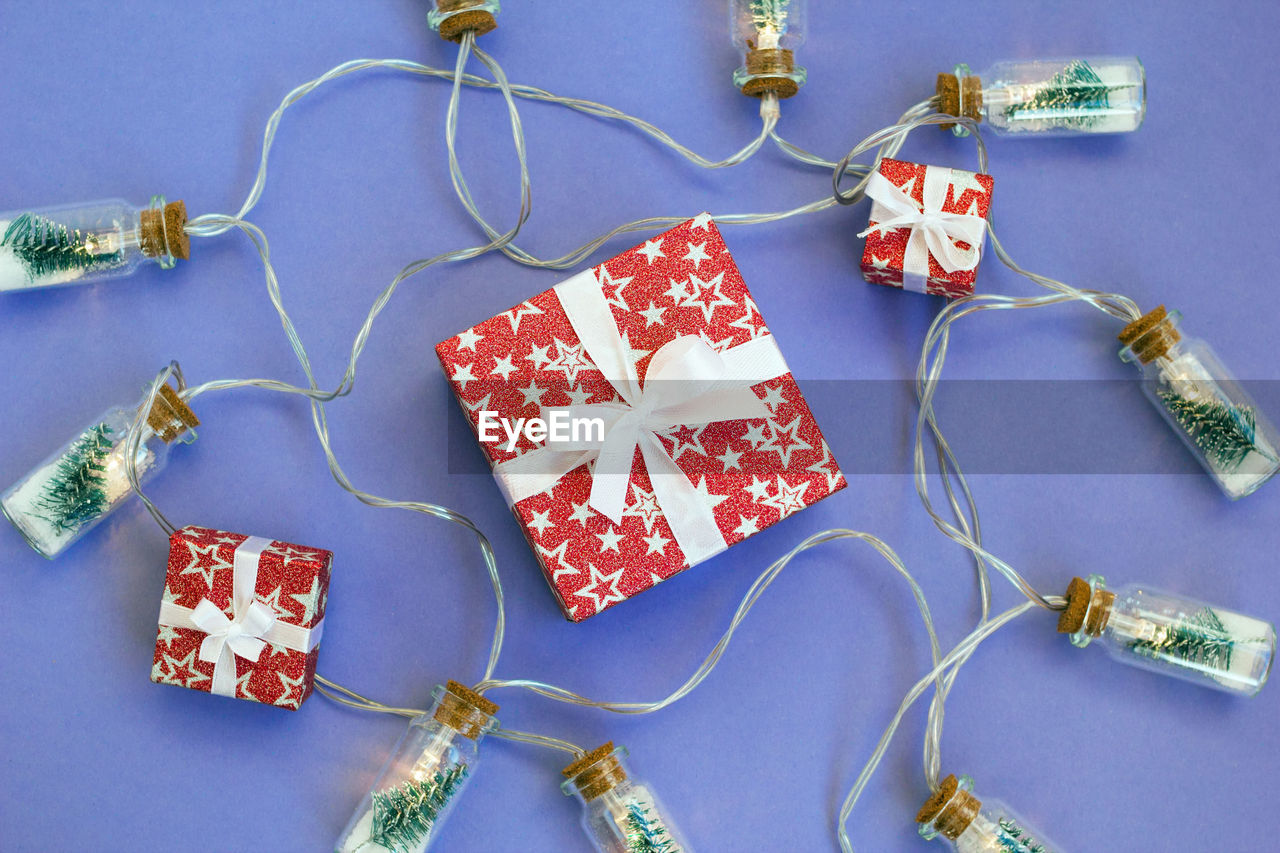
292, 580
885, 252
754, 473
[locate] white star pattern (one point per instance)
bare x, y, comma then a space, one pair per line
570, 360
729, 459
242, 687
532, 395
652, 315
677, 292
759, 489
962, 181
788, 499
655, 579
479, 406
747, 322
701, 221
290, 554
609, 540
706, 295
581, 512
755, 435
606, 584
293, 688
515, 315
560, 556
310, 601
167, 634
579, 396
747, 526
685, 438
820, 467
462, 375
645, 508
273, 601
785, 440
878, 264
712, 501
182, 672
652, 250
539, 356
205, 560
773, 398
541, 521
607, 281
697, 254
657, 544
503, 367
718, 346
468, 340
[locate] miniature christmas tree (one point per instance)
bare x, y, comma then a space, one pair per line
1227, 434
1201, 639
404, 816
44, 247
1076, 89
645, 835
77, 493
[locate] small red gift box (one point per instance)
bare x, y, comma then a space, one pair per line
694, 434
928, 224
241, 616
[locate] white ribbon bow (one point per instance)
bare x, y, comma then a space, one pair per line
246, 633
933, 232
687, 384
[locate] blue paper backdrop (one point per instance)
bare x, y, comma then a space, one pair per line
133, 98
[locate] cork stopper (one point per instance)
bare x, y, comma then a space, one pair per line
950, 809
1088, 609
959, 96
1150, 336
163, 232
467, 19
597, 772
769, 68
464, 710
170, 416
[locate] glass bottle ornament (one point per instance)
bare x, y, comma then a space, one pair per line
84, 243
84, 481
768, 33
977, 826
453, 19
1048, 97
1170, 634
1217, 420
422, 780
619, 813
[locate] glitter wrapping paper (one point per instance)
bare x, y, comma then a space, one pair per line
292, 580
885, 253
751, 473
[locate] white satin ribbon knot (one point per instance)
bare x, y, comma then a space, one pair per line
933, 231
687, 383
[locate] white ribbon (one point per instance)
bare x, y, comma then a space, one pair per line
246, 633
687, 384
933, 232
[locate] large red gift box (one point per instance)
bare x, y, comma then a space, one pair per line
696, 391
953, 201
241, 616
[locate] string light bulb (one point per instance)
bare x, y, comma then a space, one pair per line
619, 813
1217, 420
1171, 635
84, 481
453, 19
768, 32
1048, 97
971, 825
422, 780
84, 243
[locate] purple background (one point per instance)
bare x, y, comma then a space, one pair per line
129, 99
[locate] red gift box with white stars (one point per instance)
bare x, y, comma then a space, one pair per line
750, 474
884, 256
291, 584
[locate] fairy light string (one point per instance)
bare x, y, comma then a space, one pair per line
964, 528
